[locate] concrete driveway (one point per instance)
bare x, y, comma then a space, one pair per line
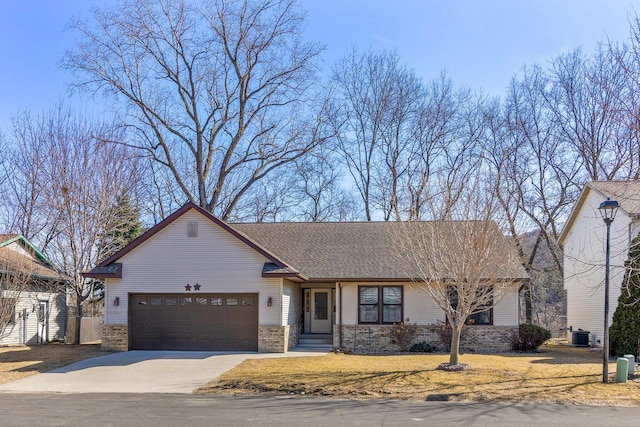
140, 372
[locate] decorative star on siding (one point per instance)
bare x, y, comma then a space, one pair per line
196, 287
187, 287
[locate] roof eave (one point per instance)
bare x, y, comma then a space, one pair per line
360, 279
267, 275
573, 214
393, 279
97, 274
51, 278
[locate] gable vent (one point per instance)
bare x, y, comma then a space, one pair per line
192, 229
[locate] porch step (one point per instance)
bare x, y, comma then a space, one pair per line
315, 340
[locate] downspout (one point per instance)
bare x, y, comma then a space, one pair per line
340, 313
634, 220
25, 326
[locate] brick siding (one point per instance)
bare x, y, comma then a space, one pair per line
293, 336
374, 338
115, 337
272, 339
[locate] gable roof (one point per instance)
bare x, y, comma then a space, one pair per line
334, 251
626, 193
36, 265
7, 239
319, 251
111, 268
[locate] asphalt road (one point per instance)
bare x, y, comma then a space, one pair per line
23, 409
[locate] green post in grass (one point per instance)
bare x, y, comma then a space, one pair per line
622, 370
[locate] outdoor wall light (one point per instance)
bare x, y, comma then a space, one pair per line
269, 302
116, 301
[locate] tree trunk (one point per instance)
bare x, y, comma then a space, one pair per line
528, 304
76, 338
455, 345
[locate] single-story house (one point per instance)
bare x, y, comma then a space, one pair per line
32, 294
583, 240
194, 282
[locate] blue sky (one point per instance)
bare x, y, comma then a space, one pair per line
481, 43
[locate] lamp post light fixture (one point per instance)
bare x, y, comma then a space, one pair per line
608, 210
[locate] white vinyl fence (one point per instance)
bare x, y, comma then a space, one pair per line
90, 329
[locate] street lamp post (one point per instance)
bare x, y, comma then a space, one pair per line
608, 210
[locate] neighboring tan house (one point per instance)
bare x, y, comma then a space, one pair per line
583, 241
193, 282
33, 294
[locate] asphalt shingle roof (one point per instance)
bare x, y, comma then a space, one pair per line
627, 193
334, 251
11, 260
339, 250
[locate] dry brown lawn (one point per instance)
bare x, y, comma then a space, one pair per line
557, 374
20, 362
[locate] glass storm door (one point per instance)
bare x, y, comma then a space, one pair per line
43, 323
321, 311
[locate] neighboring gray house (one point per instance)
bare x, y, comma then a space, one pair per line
32, 293
583, 241
193, 282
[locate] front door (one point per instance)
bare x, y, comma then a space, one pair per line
320, 311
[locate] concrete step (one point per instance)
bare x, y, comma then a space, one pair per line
315, 340
312, 349
314, 345
310, 343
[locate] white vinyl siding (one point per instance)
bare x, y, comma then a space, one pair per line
505, 312
584, 261
291, 303
420, 308
19, 248
216, 260
15, 333
349, 303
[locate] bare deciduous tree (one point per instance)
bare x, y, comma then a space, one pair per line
401, 139
544, 170
24, 188
463, 262
78, 178
22, 280
627, 58
586, 100
320, 196
218, 92
436, 127
375, 107
15, 276
159, 193
461, 159
268, 201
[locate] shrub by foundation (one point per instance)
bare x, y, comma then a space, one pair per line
530, 337
423, 347
402, 334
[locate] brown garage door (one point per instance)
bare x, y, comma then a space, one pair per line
193, 322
